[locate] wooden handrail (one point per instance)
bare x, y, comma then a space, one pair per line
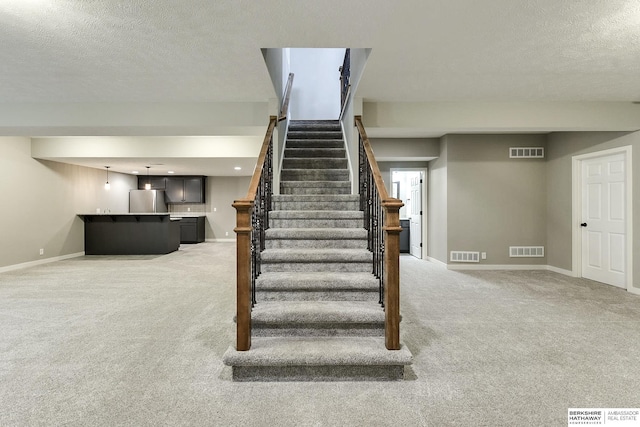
375, 170
285, 98
244, 229
257, 172
391, 238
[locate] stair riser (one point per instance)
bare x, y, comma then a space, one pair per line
318, 373
319, 163
312, 126
315, 330
315, 223
304, 243
315, 190
314, 143
314, 175
316, 206
306, 295
305, 153
322, 134
269, 267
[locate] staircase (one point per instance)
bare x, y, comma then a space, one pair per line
317, 315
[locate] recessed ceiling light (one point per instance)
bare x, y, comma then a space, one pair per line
237, 168
170, 172
135, 172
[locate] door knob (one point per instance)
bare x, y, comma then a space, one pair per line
584, 224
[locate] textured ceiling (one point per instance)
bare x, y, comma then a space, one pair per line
422, 50
202, 51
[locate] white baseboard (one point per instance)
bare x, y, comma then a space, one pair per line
514, 267
436, 261
221, 240
635, 291
40, 262
496, 267
561, 271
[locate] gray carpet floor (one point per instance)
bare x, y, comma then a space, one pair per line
138, 341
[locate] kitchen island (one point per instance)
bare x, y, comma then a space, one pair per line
130, 233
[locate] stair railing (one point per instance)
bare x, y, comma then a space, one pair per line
345, 80
252, 221
284, 110
382, 221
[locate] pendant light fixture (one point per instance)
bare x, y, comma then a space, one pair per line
107, 186
147, 186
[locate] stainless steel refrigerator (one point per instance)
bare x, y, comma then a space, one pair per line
147, 201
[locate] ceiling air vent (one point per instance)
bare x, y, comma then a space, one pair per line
526, 251
464, 256
526, 152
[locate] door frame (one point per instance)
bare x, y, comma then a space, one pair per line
576, 209
425, 211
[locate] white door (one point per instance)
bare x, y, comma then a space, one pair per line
603, 219
415, 224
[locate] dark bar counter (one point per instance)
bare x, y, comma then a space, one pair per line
130, 234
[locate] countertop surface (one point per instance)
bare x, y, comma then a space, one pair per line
123, 214
187, 214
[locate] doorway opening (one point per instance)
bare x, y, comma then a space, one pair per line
409, 185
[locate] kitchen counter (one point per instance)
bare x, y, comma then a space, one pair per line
130, 233
187, 215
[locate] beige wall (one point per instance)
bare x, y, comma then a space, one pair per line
221, 192
561, 148
42, 200
437, 204
408, 149
493, 201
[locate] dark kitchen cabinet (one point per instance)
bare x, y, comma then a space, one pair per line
174, 192
405, 236
157, 182
185, 189
192, 230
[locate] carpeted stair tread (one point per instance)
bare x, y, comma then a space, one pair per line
325, 255
307, 202
305, 125
315, 198
316, 214
315, 152
311, 281
315, 143
314, 163
316, 233
309, 312
314, 175
325, 184
315, 187
317, 351
315, 134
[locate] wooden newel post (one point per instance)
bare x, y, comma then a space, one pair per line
243, 230
392, 231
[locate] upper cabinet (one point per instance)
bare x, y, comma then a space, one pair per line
178, 189
157, 182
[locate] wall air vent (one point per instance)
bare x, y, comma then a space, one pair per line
526, 152
526, 251
464, 256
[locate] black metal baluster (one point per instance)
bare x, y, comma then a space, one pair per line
371, 206
260, 219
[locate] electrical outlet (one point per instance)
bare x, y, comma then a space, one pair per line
41, 251
214, 209
483, 255
188, 209
226, 233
